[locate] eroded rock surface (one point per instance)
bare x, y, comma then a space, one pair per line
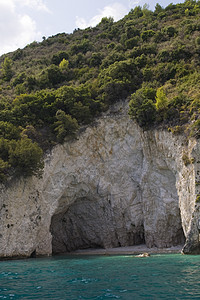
114, 186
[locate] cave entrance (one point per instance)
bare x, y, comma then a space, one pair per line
149, 215
92, 223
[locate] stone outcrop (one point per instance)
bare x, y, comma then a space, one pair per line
115, 185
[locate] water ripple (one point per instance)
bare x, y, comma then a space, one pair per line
167, 277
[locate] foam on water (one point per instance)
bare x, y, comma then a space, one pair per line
170, 276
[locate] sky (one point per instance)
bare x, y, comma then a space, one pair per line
25, 21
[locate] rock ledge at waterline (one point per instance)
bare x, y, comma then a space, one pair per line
114, 186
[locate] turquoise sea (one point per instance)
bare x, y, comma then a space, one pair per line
170, 276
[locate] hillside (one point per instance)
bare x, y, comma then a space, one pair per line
49, 89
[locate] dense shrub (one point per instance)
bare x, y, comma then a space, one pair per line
26, 157
65, 125
6, 69
132, 42
9, 131
147, 34
51, 76
19, 79
58, 57
142, 106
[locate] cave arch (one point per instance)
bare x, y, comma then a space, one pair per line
118, 189
146, 214
93, 223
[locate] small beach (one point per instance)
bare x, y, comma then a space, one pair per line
134, 250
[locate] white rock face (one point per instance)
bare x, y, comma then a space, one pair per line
114, 186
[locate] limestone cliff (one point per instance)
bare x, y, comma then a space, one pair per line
115, 185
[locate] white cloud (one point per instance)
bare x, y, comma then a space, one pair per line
6, 5
116, 10
17, 29
133, 3
34, 4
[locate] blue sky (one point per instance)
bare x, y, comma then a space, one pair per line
25, 21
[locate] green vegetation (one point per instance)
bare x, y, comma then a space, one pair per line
6, 69
198, 199
49, 89
66, 125
187, 161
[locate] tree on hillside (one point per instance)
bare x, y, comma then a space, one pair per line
161, 99
6, 69
65, 125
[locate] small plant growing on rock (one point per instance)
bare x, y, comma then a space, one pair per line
176, 129
198, 199
186, 159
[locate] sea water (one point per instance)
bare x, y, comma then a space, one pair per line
171, 276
